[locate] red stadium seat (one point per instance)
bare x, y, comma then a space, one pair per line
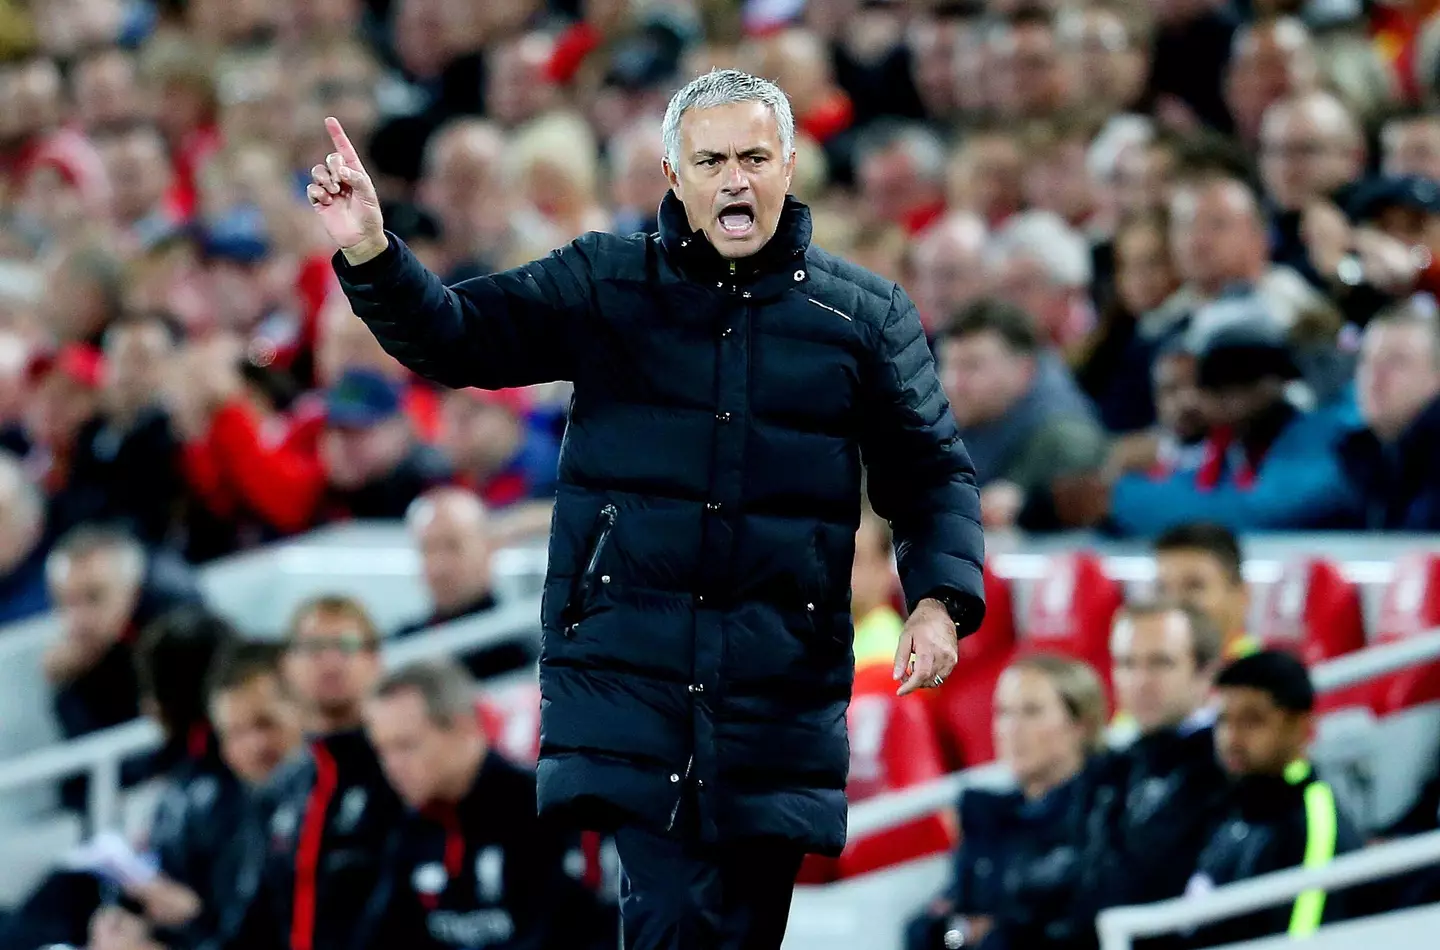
1071, 610
892, 747
996, 635
1411, 605
511, 718
1313, 611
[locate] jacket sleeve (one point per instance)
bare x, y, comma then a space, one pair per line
919, 476
515, 328
1297, 493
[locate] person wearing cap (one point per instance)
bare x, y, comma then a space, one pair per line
730, 378
1267, 464
1280, 813
1392, 461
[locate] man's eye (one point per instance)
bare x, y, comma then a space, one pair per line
709, 162
757, 159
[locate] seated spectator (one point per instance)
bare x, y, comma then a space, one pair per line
1044, 267
1022, 419
1156, 804
1280, 814
1267, 465
1200, 565
451, 528
22, 544
494, 448
470, 864
1049, 722
327, 814
64, 400
1392, 464
947, 269
873, 584
1177, 442
106, 589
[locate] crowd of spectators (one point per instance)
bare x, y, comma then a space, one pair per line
1177, 258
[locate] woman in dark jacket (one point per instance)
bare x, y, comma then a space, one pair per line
1017, 848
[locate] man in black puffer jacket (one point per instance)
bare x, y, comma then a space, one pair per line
729, 379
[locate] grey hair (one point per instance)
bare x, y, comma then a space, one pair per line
444, 686
88, 540
924, 148
1044, 237
723, 87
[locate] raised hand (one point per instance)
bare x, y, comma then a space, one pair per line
344, 196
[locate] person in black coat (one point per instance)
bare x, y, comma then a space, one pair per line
729, 381
1280, 814
326, 815
1017, 862
1154, 806
471, 865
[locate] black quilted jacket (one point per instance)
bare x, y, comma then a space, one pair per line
697, 633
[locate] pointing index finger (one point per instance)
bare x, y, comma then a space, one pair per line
342, 144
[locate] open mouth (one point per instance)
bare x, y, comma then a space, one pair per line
737, 220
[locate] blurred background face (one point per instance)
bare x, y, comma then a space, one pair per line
1144, 270
455, 550
872, 576
1216, 235
355, 457
1108, 65
1035, 734
987, 177
982, 376
1142, 176
464, 187
1177, 399
1030, 79
139, 172
1398, 375
1306, 152
258, 727
1155, 676
331, 663
94, 595
947, 269
1253, 736
50, 199
519, 86
1059, 181
1412, 147
135, 360
107, 91
418, 755
477, 436
59, 408
1199, 580
1269, 63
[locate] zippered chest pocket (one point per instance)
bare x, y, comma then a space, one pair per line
585, 585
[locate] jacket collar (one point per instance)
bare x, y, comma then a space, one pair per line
693, 253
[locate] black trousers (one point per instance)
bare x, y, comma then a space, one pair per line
679, 895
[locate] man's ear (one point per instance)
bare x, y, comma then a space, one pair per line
790, 169
670, 176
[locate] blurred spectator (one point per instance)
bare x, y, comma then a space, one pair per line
1280, 814
986, 175
106, 88
502, 874
1391, 463
1272, 60
518, 87
947, 268
1410, 145
1157, 803
873, 587
106, 589
495, 449
1030, 79
1022, 419
1267, 464
1059, 179
464, 186
452, 529
900, 171
1199, 565
553, 165
22, 544
145, 200
1041, 265
1049, 722
637, 183
1108, 45
329, 812
65, 399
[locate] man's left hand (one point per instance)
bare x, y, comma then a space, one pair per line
929, 636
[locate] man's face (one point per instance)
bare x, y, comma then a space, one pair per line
1177, 399
733, 175
1253, 736
1303, 159
888, 187
106, 91
1026, 282
1412, 147
1155, 676
331, 663
988, 177
982, 376
519, 87
1060, 182
258, 727
1144, 270
135, 357
1029, 72
1263, 71
479, 438
355, 457
1398, 375
139, 172
1215, 235
948, 271
1199, 580
455, 558
1142, 173
94, 596
464, 186
418, 754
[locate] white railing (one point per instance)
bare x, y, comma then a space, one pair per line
100, 754
888, 811
1120, 926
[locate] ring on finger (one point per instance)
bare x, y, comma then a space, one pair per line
937, 681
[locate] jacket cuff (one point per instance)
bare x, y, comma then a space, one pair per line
374, 271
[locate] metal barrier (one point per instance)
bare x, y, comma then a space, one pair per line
887, 811
100, 754
1119, 926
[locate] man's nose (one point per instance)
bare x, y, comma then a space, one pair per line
736, 182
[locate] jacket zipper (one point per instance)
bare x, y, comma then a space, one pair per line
586, 588
684, 783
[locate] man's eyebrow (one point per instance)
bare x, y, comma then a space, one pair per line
707, 153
